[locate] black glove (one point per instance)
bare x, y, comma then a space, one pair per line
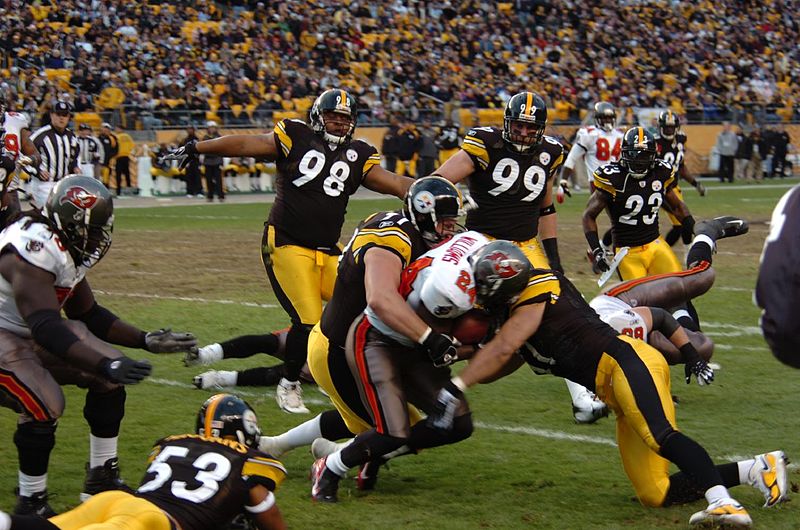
125, 370
184, 154
445, 408
441, 349
600, 259
168, 341
695, 365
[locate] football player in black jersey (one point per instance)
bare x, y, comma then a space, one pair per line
510, 174
632, 191
319, 166
671, 148
553, 329
198, 481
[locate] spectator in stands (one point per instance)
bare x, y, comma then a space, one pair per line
192, 172
726, 145
213, 167
110, 150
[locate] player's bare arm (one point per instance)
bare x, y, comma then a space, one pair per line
383, 181
270, 518
457, 167
548, 224
381, 280
597, 203
678, 207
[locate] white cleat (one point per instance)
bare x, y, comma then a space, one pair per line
768, 474
289, 395
215, 379
724, 512
322, 447
269, 445
589, 409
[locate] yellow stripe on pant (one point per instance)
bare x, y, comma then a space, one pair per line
113, 509
638, 446
302, 278
655, 257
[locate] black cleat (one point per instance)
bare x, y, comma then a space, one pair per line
730, 226
368, 475
324, 482
103, 478
35, 505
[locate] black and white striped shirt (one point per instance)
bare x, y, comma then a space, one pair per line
59, 151
90, 149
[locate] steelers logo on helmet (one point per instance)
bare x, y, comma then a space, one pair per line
424, 202
250, 422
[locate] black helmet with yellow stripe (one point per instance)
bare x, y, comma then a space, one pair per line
324, 111
524, 121
668, 124
229, 417
638, 151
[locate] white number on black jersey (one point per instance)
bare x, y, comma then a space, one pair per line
213, 468
311, 166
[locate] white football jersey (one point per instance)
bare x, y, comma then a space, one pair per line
620, 316
13, 124
441, 280
598, 147
39, 246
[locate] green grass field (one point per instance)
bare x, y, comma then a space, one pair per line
198, 268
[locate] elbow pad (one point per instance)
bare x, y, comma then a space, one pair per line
99, 320
50, 331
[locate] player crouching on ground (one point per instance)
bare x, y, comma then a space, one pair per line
234, 479
44, 258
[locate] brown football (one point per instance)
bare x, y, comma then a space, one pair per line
471, 327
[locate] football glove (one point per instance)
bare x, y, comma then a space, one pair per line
441, 349
168, 341
445, 408
600, 260
701, 370
27, 165
124, 370
700, 188
184, 154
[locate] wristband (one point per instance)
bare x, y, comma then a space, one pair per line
263, 506
459, 383
424, 336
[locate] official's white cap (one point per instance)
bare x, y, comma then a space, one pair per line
211, 123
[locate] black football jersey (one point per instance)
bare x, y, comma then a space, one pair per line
205, 482
508, 186
571, 338
313, 185
633, 203
389, 230
672, 151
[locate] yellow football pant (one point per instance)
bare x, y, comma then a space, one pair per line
624, 389
318, 350
301, 278
113, 509
655, 257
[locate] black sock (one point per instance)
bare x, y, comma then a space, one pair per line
248, 345
262, 376
423, 436
699, 251
683, 489
332, 426
673, 235
698, 472
31, 522
368, 446
296, 350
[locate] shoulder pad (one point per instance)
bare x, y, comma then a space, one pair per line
553, 141
38, 245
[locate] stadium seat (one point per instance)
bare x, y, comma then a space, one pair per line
91, 118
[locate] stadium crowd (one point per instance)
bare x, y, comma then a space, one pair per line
238, 62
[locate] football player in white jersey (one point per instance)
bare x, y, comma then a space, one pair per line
16, 148
596, 144
44, 257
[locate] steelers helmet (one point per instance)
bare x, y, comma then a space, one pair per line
638, 151
340, 102
668, 124
229, 417
429, 200
529, 109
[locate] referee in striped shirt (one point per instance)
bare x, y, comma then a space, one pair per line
59, 149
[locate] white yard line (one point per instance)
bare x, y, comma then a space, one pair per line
185, 299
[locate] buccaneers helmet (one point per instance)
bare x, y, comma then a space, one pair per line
501, 272
638, 151
605, 116
668, 124
428, 201
229, 417
82, 212
524, 121
336, 101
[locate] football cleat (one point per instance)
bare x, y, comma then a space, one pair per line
289, 395
322, 447
203, 356
730, 226
768, 474
102, 478
589, 409
324, 482
215, 379
35, 504
724, 512
269, 445
368, 475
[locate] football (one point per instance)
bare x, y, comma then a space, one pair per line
471, 327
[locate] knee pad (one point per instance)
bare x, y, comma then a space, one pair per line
104, 412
